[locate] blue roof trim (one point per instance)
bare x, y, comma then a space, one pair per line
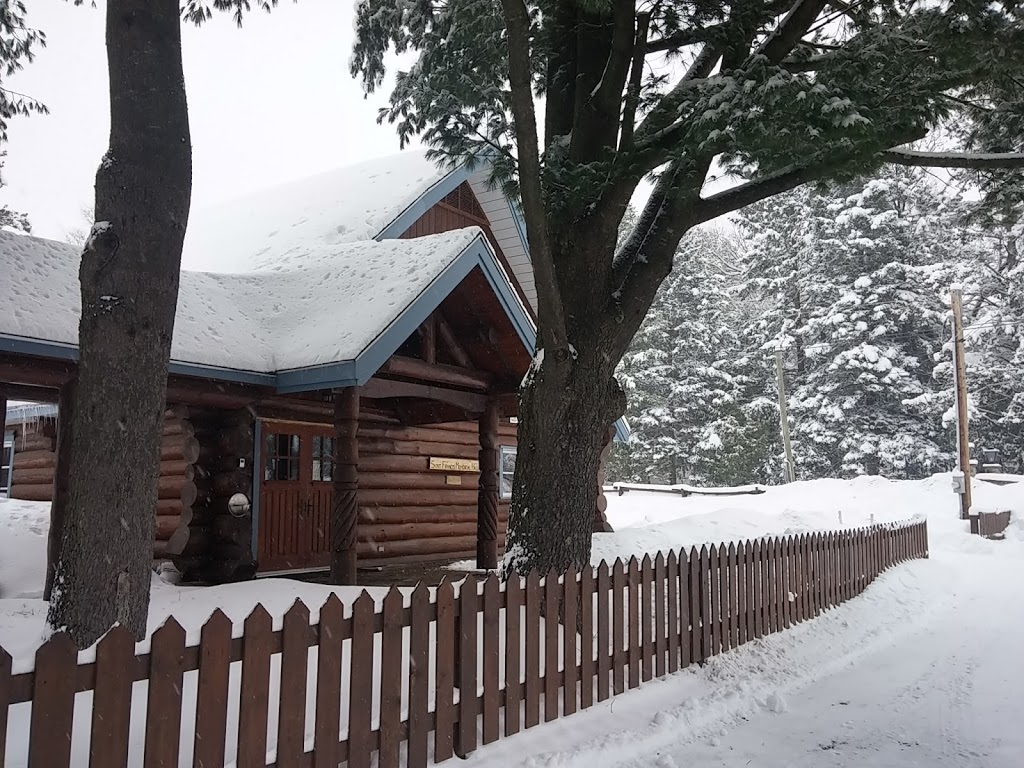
20, 345
356, 372
435, 194
223, 374
58, 351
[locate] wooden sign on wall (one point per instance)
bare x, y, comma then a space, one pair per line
454, 465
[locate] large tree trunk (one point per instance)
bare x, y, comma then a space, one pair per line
129, 278
566, 407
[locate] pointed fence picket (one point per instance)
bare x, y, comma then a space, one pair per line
467, 663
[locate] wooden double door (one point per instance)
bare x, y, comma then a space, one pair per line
297, 467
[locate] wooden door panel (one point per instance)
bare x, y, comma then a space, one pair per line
294, 532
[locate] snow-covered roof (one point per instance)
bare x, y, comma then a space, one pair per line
327, 304
374, 200
275, 228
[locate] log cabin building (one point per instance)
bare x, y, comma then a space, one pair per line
343, 377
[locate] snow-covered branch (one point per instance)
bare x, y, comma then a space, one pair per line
975, 160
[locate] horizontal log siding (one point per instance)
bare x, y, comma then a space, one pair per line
407, 512
35, 460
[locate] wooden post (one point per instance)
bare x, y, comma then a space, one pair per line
58, 512
960, 373
3, 431
345, 509
487, 497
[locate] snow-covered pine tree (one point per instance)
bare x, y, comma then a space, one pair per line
869, 262
691, 409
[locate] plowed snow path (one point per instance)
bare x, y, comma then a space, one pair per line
925, 669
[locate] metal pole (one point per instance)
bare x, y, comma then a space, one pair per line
790, 469
960, 377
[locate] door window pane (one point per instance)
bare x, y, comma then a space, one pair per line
323, 458
506, 469
281, 460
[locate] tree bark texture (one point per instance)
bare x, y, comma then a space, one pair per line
487, 499
566, 407
58, 507
129, 282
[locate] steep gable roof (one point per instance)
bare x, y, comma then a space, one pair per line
374, 200
329, 317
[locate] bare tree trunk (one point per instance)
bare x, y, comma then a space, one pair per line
58, 507
566, 407
129, 278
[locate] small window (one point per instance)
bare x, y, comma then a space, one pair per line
282, 457
6, 465
506, 469
323, 458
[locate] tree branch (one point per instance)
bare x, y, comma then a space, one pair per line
786, 36
756, 190
550, 309
599, 105
684, 38
636, 75
977, 161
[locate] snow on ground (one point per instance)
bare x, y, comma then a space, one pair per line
922, 669
647, 522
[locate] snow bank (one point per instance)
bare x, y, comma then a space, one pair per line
325, 303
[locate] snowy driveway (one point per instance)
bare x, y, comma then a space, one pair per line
925, 669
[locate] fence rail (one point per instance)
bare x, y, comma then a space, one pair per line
420, 677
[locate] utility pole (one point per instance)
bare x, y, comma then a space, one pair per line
790, 470
960, 377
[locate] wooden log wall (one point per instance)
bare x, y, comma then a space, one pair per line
35, 460
220, 543
408, 512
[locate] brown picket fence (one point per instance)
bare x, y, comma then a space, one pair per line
391, 676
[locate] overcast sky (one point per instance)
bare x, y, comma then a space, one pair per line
268, 103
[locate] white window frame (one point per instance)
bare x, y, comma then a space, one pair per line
502, 451
7, 442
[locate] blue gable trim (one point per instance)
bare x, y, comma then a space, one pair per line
441, 188
356, 372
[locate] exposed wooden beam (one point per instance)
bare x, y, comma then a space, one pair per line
416, 412
429, 340
36, 372
450, 375
452, 343
388, 389
33, 394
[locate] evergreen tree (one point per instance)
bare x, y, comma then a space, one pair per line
857, 289
693, 408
